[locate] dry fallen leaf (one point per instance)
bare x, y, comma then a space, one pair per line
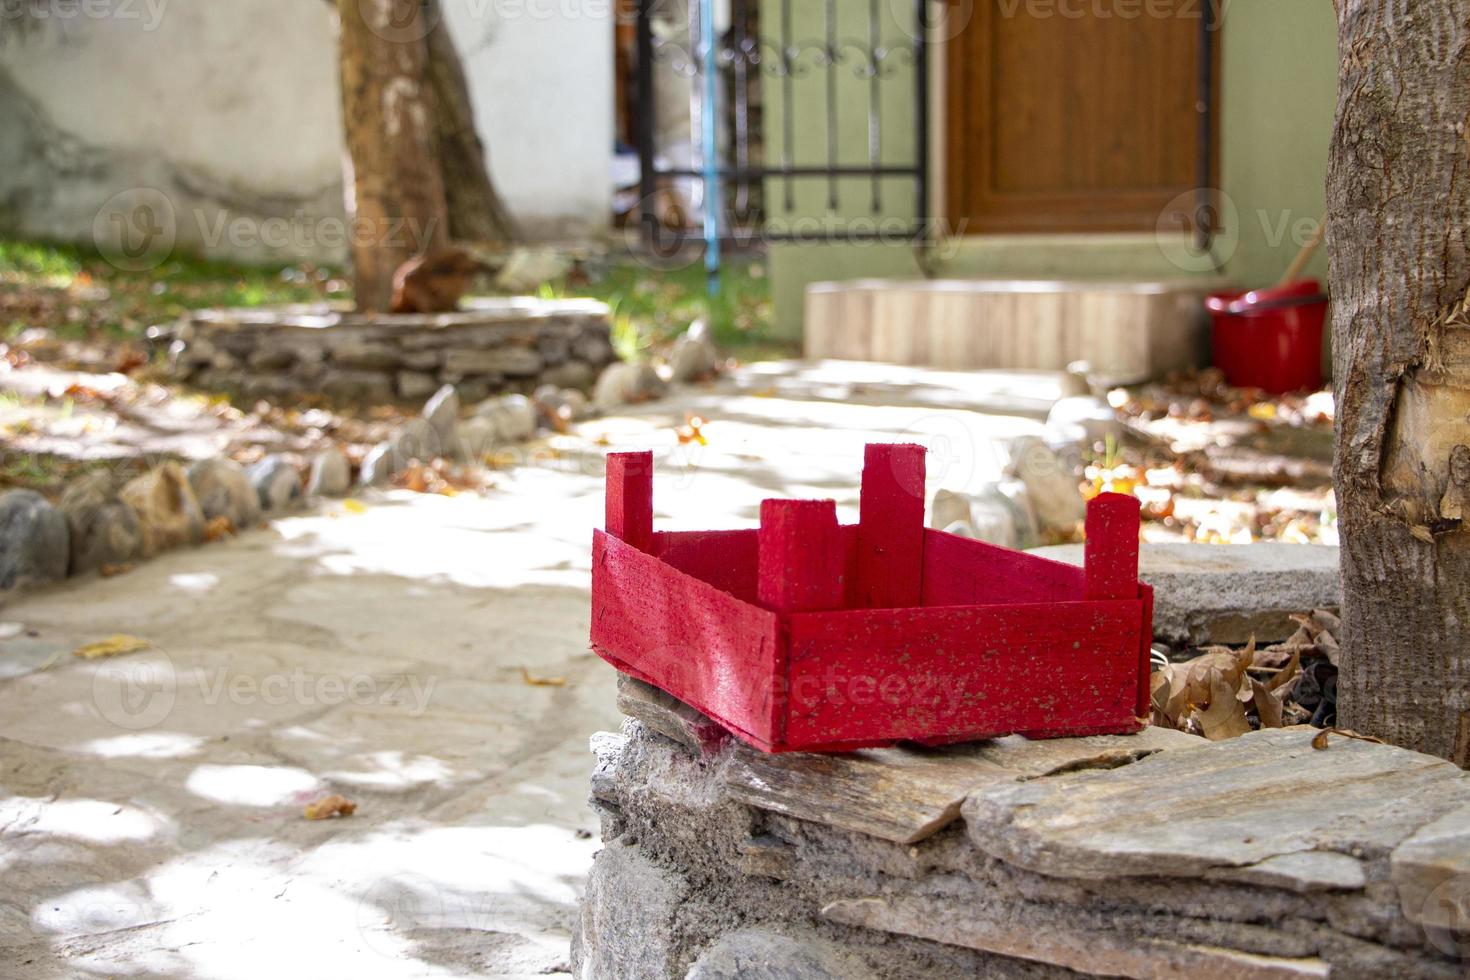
113, 646
219, 528
108, 571
1225, 717
535, 681
330, 806
354, 506
1268, 706
692, 431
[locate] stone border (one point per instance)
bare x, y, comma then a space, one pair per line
1158, 855
490, 346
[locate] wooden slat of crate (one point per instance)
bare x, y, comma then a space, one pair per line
948, 674
962, 572
724, 559
720, 655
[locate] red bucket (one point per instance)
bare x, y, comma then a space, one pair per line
1271, 338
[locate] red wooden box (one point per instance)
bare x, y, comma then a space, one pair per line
810, 635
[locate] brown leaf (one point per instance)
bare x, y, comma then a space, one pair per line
1268, 708
1225, 717
1286, 675
1231, 664
219, 528
1328, 620
113, 646
330, 806
535, 681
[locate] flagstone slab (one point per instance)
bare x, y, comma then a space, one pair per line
1214, 593
1432, 873
1231, 804
1088, 951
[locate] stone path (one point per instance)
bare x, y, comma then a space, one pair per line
151, 806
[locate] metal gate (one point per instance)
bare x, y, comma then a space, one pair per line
736, 52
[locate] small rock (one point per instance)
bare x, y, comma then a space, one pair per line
272, 358
1085, 420
377, 466
34, 540
416, 384
366, 354
103, 529
513, 362
761, 954
997, 513
223, 489
981, 517
514, 416
475, 437
416, 440
627, 384
1052, 486
472, 391
442, 412
167, 509
565, 404
595, 349
331, 474
276, 482
694, 357
573, 374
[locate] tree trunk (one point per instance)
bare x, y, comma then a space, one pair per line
476, 213
1399, 210
395, 189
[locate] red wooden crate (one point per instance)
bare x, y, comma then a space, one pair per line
810, 635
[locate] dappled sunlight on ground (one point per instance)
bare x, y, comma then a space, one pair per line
425, 656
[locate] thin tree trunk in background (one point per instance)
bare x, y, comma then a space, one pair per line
476, 212
395, 189
1399, 210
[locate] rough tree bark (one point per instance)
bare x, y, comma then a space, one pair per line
476, 212
1399, 211
395, 187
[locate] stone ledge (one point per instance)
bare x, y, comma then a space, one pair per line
490, 345
1227, 593
1259, 857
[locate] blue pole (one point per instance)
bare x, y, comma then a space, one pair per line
709, 117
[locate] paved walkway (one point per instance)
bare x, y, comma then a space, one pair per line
151, 805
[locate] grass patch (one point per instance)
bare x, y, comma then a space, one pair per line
42, 284
651, 307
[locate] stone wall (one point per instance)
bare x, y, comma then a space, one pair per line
491, 346
1151, 856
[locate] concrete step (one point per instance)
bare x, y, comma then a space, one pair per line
1127, 331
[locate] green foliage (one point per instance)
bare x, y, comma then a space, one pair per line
651, 307
40, 283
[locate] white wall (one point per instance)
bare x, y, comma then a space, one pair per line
542, 76
230, 111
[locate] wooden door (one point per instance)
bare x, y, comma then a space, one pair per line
1066, 116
